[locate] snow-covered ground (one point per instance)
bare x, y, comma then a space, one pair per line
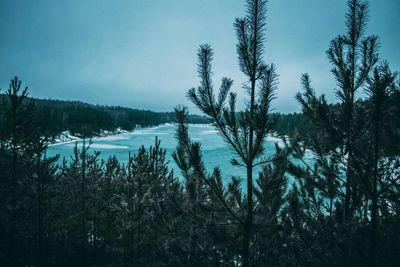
64, 137
67, 137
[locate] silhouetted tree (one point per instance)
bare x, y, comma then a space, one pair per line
339, 191
245, 133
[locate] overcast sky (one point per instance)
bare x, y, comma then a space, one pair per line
142, 53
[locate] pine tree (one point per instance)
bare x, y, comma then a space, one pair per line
379, 88
16, 164
244, 133
352, 56
339, 192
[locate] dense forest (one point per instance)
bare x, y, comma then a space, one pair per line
55, 116
85, 120
341, 210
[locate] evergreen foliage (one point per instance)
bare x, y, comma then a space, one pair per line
56, 116
245, 133
340, 209
341, 198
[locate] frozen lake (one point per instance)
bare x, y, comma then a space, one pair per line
215, 151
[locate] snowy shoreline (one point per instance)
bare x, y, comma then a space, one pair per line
66, 137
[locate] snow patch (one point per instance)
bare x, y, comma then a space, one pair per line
207, 132
108, 146
63, 138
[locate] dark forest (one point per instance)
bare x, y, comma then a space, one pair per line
341, 210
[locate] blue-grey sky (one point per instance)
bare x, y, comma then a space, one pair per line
142, 53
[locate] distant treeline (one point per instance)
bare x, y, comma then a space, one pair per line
288, 124
54, 116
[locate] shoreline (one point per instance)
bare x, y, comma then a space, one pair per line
66, 137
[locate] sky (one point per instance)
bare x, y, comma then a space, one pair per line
142, 53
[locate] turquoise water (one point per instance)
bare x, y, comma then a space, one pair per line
216, 153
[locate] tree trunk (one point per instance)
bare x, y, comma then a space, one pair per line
40, 213
249, 219
83, 208
374, 208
